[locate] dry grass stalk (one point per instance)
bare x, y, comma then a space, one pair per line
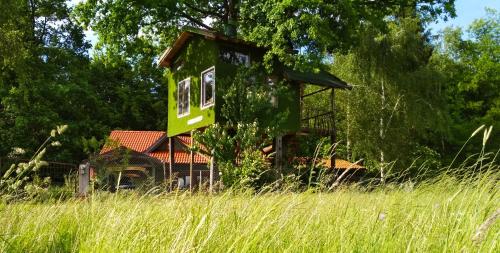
481, 231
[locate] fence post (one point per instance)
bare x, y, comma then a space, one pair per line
164, 172
212, 161
279, 152
199, 182
171, 159
83, 179
191, 161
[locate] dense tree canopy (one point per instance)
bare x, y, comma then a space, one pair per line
412, 96
43, 70
471, 63
48, 79
314, 27
396, 104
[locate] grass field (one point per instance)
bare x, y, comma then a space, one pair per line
436, 217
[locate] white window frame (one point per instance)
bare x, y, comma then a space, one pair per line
238, 55
202, 97
188, 82
245, 56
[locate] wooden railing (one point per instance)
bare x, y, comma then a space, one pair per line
321, 123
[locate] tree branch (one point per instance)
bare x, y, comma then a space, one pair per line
205, 12
195, 21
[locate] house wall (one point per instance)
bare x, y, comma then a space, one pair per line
289, 103
200, 54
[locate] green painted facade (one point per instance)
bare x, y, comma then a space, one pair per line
200, 54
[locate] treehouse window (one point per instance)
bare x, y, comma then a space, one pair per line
208, 87
233, 57
183, 97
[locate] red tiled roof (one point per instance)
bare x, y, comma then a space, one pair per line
184, 139
187, 141
139, 141
179, 156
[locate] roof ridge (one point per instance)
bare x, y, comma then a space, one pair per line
142, 131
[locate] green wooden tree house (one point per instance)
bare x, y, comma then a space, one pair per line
199, 58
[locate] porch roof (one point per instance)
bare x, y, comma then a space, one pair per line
321, 78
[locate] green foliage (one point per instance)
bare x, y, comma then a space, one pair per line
42, 72
248, 99
318, 27
396, 102
47, 78
20, 180
237, 141
251, 172
470, 62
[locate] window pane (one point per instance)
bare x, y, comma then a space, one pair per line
180, 87
233, 57
208, 87
183, 97
186, 97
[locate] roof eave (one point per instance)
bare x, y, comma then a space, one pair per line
315, 79
170, 53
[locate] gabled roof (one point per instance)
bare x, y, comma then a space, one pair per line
145, 142
139, 141
170, 53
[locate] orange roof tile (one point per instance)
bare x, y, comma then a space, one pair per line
139, 141
179, 156
188, 141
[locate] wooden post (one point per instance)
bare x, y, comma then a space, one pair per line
199, 181
211, 183
333, 135
83, 179
279, 152
171, 159
164, 173
153, 173
191, 161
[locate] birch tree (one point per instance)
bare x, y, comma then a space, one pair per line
395, 98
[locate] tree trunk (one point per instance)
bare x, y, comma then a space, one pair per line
348, 128
334, 129
231, 25
381, 131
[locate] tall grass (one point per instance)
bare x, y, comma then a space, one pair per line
439, 216
456, 211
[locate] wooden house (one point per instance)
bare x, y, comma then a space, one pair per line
199, 58
145, 154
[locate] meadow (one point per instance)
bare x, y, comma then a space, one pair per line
440, 215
